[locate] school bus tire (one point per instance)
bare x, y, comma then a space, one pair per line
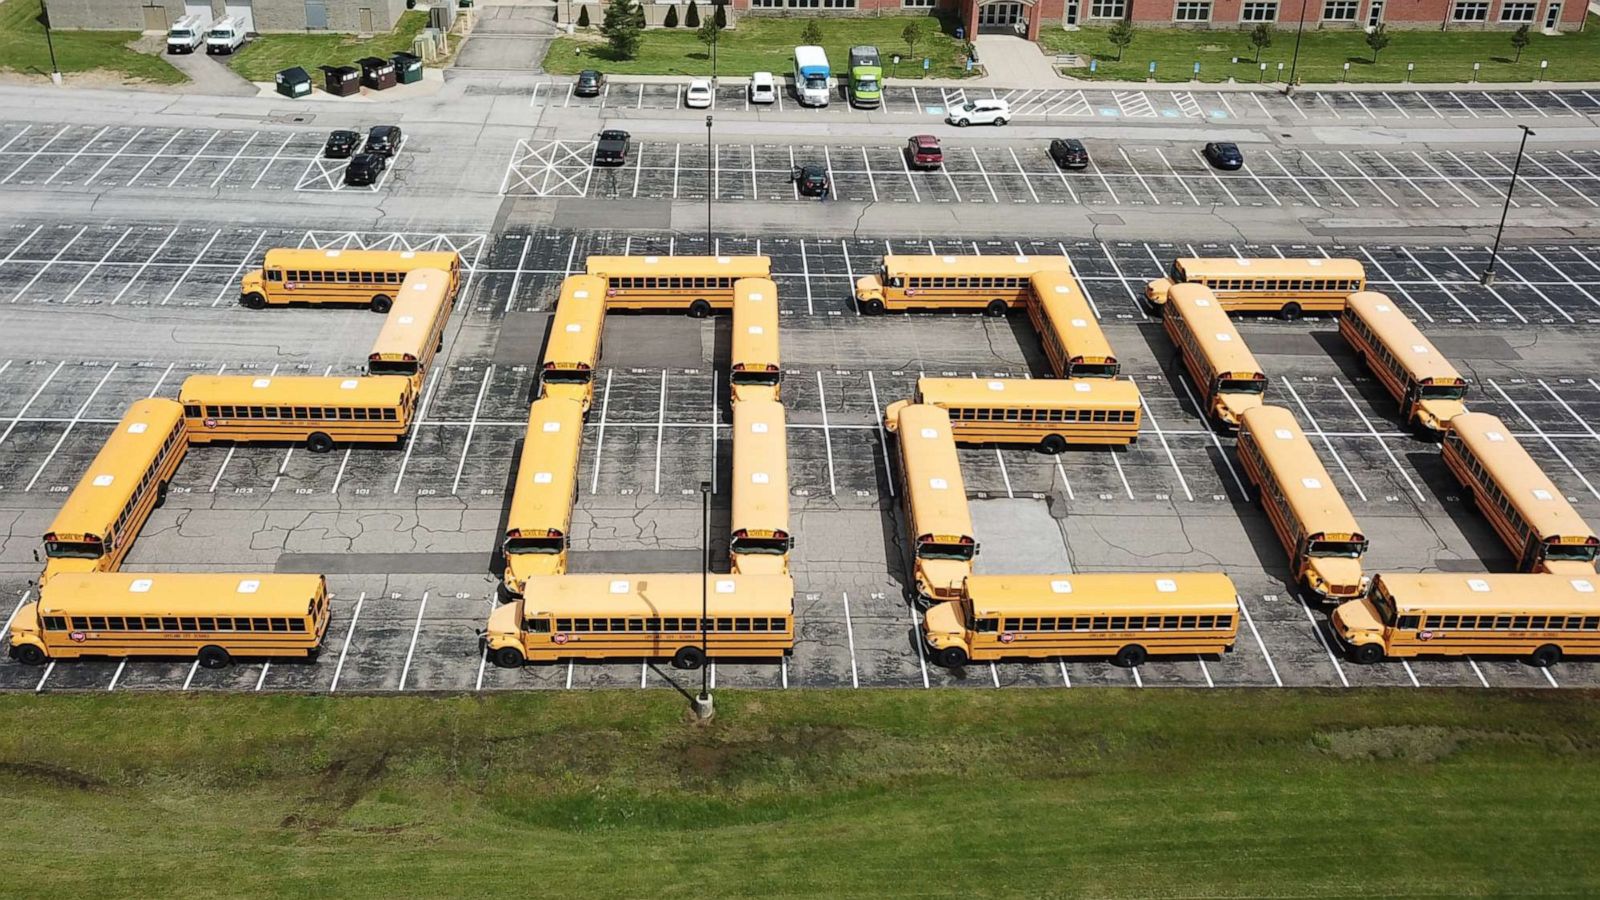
1290, 312
161, 494
872, 307
381, 303
254, 300
214, 657
1053, 444
699, 309
1367, 654
688, 658
1545, 657
1131, 656
319, 442
507, 658
951, 658
996, 308
28, 654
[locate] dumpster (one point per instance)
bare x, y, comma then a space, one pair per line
407, 67
376, 73
293, 82
341, 81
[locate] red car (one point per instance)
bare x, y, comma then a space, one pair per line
923, 152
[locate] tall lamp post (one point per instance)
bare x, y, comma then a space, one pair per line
710, 189
1488, 274
703, 706
1294, 61
55, 70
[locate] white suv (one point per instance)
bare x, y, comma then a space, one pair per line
763, 88
980, 112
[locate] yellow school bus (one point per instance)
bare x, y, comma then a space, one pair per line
938, 522
1223, 369
1324, 543
1047, 412
992, 284
1540, 617
215, 618
1524, 506
110, 503
761, 539
698, 284
1071, 337
1428, 388
369, 278
572, 354
1287, 287
755, 371
644, 616
539, 525
1124, 616
414, 329
321, 411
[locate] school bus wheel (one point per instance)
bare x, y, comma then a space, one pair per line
1290, 312
688, 658
1545, 657
319, 442
1366, 654
28, 655
1053, 444
254, 300
996, 308
1131, 656
951, 658
872, 307
699, 309
381, 303
507, 658
214, 657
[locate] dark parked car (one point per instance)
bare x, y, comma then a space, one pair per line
810, 180
590, 82
341, 144
365, 169
1224, 155
383, 140
611, 148
923, 152
1069, 153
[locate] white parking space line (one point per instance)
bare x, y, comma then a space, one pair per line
190, 270
866, 163
1398, 108
1162, 437
1316, 631
1355, 95
197, 154
661, 427
1533, 158
1361, 170
240, 152
472, 427
67, 298
345, 650
29, 405
883, 436
1544, 437
1316, 428
1381, 442
1026, 179
516, 277
416, 629
600, 435
1565, 277
77, 417
112, 157
1473, 170
231, 284
15, 137
1570, 411
1453, 293
1402, 288
1329, 178
411, 444
1104, 181
1294, 178
1137, 174
1244, 492
1505, 264
1443, 179
850, 637
827, 439
46, 267
1214, 177
1529, 182
34, 155
1407, 178
1423, 96
1182, 182
905, 167
985, 172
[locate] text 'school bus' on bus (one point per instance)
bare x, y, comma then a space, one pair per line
938, 522
992, 284
321, 411
649, 616
212, 617
540, 522
760, 539
577, 330
1286, 287
1224, 370
1428, 388
128, 477
1049, 413
1123, 616
1324, 543
413, 332
1539, 617
368, 278
1065, 321
1528, 512
755, 371
696, 284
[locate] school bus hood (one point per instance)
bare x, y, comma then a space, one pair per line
1337, 574
946, 576
943, 620
66, 565
1356, 617
503, 621
1436, 414
522, 566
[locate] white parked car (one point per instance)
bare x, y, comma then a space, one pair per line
763, 88
980, 112
698, 96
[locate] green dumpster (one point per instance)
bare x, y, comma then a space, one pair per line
407, 67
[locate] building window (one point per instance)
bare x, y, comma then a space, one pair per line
1518, 12
1260, 12
1470, 11
1193, 11
1340, 10
1108, 9
919, 4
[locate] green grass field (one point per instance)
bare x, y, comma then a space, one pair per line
1107, 793
1439, 56
764, 45
266, 55
23, 49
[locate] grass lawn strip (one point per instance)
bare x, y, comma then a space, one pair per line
23, 49
267, 54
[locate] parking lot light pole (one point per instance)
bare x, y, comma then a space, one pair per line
709, 186
704, 707
1488, 274
49, 42
1294, 61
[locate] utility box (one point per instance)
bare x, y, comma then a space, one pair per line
407, 67
293, 82
341, 81
376, 72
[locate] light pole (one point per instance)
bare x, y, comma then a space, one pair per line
1488, 274
703, 706
1294, 61
710, 189
716, 32
55, 70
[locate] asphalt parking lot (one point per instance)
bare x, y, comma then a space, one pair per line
173, 159
660, 426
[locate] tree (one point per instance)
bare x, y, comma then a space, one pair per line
671, 19
639, 16
1520, 39
812, 33
912, 35
621, 27
707, 34
1377, 39
721, 17
583, 16
1120, 35
1261, 38
691, 18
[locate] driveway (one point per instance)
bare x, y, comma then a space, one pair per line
509, 37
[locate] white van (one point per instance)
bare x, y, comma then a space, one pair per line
763, 88
226, 36
188, 33
811, 76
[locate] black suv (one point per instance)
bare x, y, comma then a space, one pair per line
365, 169
590, 81
384, 140
810, 180
611, 147
1224, 155
341, 144
1069, 153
